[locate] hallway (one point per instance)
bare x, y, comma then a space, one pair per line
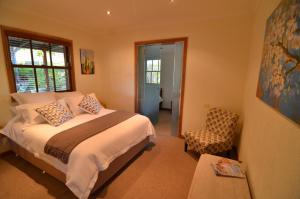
163, 127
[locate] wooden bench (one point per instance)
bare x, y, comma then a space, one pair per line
206, 185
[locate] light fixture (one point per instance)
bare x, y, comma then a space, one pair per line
172, 1
108, 13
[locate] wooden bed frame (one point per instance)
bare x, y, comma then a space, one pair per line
103, 176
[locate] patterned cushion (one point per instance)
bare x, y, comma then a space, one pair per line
216, 136
90, 104
55, 113
221, 121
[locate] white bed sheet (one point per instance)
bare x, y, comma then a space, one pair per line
89, 157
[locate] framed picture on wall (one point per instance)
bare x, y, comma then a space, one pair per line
279, 79
87, 62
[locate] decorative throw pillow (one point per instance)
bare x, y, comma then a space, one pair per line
94, 96
55, 113
90, 104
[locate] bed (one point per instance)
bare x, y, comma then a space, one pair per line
94, 161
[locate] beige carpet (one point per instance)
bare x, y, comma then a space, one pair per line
163, 171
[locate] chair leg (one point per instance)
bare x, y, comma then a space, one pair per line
185, 147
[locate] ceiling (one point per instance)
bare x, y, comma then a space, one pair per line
91, 14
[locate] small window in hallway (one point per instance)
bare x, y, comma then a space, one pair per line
153, 68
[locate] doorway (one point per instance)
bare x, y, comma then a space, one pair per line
159, 80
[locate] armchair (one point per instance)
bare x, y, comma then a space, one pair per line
217, 134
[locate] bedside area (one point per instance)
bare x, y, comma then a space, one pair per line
4, 145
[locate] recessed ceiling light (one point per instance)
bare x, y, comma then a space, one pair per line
172, 1
108, 13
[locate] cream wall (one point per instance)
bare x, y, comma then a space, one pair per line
216, 74
270, 143
216, 65
81, 39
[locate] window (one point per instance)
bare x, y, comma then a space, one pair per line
37, 63
153, 71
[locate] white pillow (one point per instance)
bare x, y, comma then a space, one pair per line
31, 98
73, 103
13, 110
60, 95
94, 96
28, 113
63, 102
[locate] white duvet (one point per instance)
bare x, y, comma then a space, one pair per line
89, 157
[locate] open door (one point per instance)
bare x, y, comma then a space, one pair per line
176, 92
148, 89
147, 96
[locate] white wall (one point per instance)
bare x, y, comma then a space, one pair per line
216, 65
270, 143
81, 39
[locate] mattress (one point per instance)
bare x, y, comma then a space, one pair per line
89, 157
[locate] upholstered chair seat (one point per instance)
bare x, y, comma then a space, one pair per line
216, 135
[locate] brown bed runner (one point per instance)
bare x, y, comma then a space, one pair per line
62, 144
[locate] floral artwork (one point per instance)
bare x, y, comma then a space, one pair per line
279, 80
87, 61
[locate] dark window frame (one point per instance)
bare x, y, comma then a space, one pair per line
7, 32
